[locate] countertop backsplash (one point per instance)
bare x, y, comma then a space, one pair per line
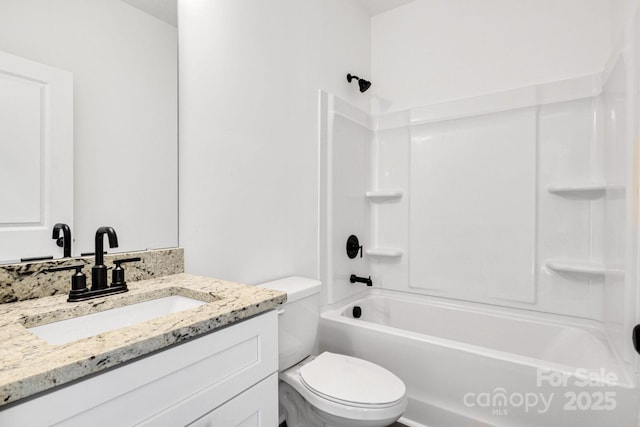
30, 280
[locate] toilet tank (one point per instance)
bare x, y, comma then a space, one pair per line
297, 319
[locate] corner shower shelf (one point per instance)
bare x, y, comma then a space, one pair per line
384, 252
383, 195
581, 267
578, 190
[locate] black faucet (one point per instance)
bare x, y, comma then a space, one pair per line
65, 240
99, 285
99, 271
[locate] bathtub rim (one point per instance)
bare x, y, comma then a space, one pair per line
626, 375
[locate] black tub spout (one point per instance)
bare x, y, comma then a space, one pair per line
365, 280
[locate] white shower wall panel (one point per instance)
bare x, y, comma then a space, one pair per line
345, 159
618, 162
472, 207
350, 160
391, 171
570, 226
523, 153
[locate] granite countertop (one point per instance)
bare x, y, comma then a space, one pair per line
29, 365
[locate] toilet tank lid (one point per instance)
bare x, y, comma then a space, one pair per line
296, 287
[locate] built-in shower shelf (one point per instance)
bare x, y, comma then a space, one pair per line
588, 190
383, 195
580, 267
384, 252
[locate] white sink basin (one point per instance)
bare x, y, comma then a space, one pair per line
89, 325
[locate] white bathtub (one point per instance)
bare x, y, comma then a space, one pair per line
465, 364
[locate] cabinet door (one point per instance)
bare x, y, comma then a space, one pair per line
256, 407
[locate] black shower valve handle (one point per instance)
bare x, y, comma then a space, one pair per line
353, 247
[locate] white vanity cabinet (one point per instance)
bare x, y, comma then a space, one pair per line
225, 378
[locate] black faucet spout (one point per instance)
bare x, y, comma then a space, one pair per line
113, 242
99, 270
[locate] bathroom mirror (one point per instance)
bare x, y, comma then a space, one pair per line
122, 55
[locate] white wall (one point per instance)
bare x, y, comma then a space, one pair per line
430, 51
622, 12
250, 72
124, 64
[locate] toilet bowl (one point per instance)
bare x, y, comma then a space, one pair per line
328, 390
342, 391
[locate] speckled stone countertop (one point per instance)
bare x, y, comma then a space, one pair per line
29, 365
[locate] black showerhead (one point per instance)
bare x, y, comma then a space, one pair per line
364, 84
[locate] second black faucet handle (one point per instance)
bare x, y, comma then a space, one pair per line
117, 275
78, 280
77, 267
117, 262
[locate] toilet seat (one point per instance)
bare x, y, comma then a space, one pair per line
351, 381
327, 397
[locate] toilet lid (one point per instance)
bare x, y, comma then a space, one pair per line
351, 380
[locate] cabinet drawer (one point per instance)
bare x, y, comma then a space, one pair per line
206, 371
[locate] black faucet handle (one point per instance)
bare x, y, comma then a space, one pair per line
78, 280
117, 275
77, 267
117, 262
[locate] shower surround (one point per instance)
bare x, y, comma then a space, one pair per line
525, 199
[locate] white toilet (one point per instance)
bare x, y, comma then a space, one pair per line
329, 390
